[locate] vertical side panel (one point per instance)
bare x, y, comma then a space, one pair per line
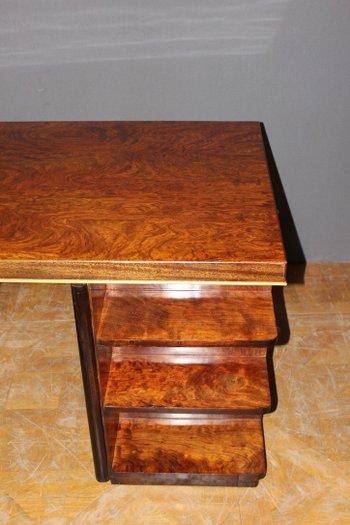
90, 379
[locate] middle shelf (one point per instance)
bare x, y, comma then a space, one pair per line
184, 379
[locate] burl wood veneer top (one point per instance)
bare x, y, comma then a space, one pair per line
137, 201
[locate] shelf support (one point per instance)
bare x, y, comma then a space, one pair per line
88, 364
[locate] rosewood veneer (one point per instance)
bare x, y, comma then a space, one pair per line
168, 233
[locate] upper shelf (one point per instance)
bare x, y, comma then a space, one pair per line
137, 201
207, 316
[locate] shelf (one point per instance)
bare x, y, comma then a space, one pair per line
129, 314
205, 380
188, 450
183, 381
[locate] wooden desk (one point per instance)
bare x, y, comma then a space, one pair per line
169, 235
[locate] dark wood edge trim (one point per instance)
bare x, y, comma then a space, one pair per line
228, 480
171, 343
237, 412
90, 379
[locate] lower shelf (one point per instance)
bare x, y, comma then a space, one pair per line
187, 449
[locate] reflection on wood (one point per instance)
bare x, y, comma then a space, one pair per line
184, 380
204, 449
207, 384
243, 315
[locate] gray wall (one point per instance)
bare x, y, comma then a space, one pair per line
283, 62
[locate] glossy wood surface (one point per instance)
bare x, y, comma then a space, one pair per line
215, 316
186, 445
213, 383
104, 201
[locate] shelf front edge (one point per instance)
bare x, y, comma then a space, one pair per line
109, 272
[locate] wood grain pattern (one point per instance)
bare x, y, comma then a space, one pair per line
137, 201
126, 315
211, 384
179, 445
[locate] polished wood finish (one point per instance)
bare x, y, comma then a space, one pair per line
188, 450
170, 232
194, 317
140, 201
185, 385
167, 382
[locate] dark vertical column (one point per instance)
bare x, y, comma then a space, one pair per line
90, 380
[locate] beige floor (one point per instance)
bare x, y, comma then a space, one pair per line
46, 469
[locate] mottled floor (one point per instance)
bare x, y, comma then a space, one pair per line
45, 460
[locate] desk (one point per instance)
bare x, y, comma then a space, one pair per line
169, 235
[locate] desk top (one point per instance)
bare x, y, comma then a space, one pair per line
137, 201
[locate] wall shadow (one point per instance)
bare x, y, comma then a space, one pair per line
294, 250
283, 332
281, 317
272, 379
295, 268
